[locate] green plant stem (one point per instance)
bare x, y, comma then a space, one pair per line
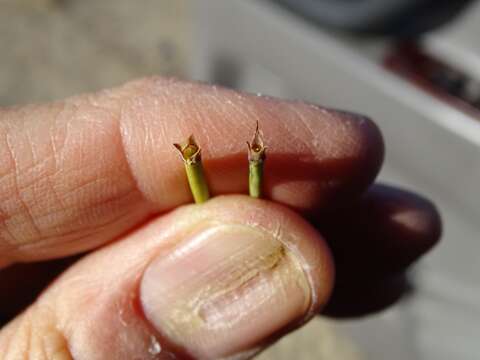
255, 183
256, 157
197, 182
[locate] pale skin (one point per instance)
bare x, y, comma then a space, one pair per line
97, 175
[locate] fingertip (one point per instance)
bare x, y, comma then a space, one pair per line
415, 217
253, 270
382, 232
283, 224
374, 239
367, 297
367, 138
302, 238
338, 157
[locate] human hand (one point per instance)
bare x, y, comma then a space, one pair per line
169, 280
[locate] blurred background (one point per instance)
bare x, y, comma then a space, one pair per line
412, 65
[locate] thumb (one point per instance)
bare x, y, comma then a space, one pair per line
208, 281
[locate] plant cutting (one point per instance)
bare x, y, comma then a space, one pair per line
192, 159
256, 158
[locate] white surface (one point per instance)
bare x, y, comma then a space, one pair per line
458, 43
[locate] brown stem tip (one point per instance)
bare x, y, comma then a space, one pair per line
256, 149
189, 150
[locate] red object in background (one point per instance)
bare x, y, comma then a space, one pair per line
436, 77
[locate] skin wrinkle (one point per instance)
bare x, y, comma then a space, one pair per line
7, 341
252, 110
211, 317
43, 347
100, 299
3, 137
328, 144
4, 228
63, 352
17, 191
126, 138
205, 106
56, 153
27, 335
153, 141
19, 173
48, 339
237, 280
351, 142
213, 134
279, 235
43, 240
294, 141
11, 341
35, 163
75, 220
202, 108
126, 166
192, 312
38, 186
30, 348
85, 234
243, 111
305, 140
30, 185
345, 127
92, 182
54, 344
317, 139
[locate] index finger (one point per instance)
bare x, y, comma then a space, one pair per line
78, 173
